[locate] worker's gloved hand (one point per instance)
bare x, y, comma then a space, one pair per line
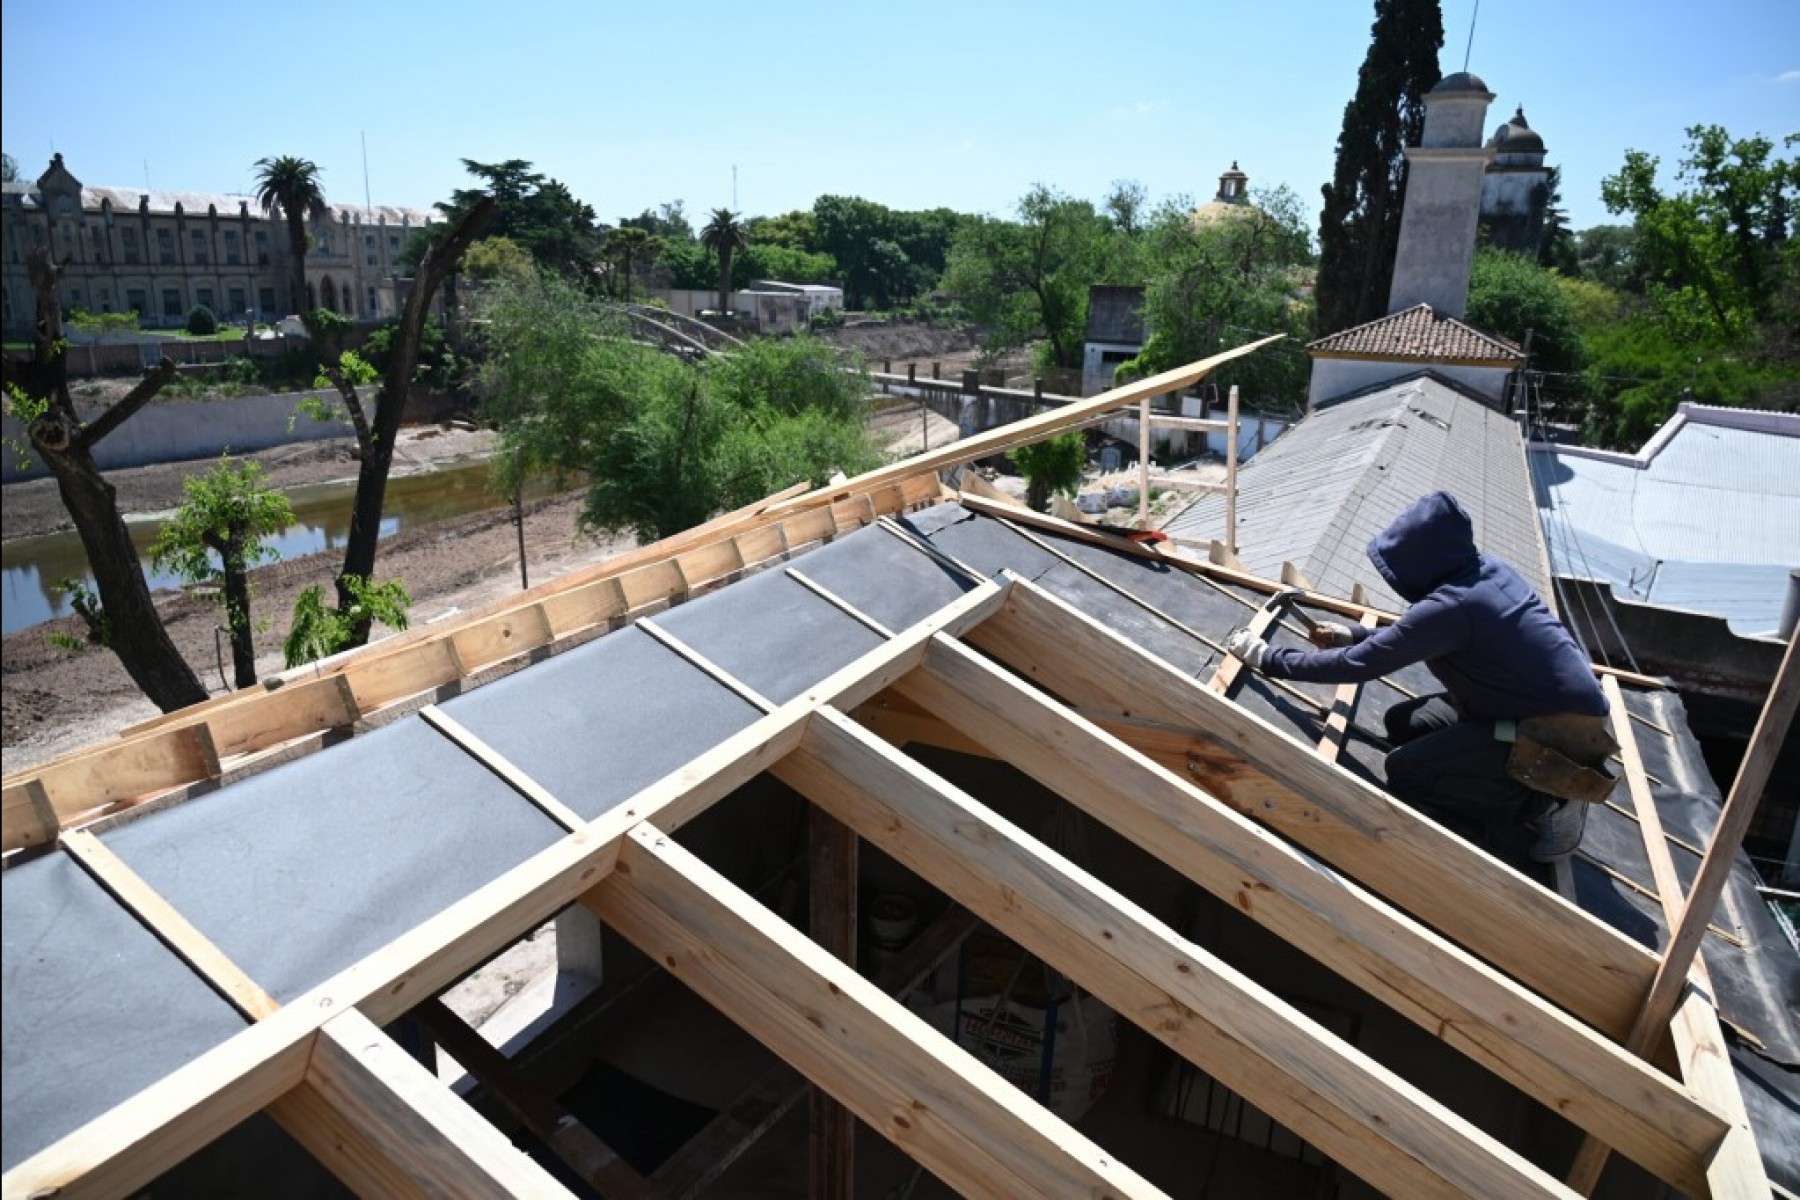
1329, 635
1247, 648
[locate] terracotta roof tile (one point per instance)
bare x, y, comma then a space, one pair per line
1418, 333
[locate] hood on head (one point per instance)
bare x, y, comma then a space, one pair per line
1430, 541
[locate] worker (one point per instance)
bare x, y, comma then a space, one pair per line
1518, 737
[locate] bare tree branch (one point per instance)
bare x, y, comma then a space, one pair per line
135, 399
359, 419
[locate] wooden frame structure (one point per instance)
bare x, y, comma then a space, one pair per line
1522, 983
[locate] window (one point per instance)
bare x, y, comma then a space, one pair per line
393, 243
74, 297
128, 243
233, 253
98, 235
172, 302
135, 301
374, 304
265, 300
105, 299
235, 301
198, 237
262, 250
369, 248
205, 296
165, 246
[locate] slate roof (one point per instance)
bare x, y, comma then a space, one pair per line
1705, 518
1418, 333
1318, 494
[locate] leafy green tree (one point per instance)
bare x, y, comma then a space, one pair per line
724, 237
1713, 252
1029, 278
887, 256
626, 247
768, 260
667, 221
1051, 467
792, 231
217, 536
532, 210
201, 322
101, 326
665, 443
1359, 225
293, 184
1217, 284
494, 258
1607, 254
125, 620
1558, 248
1511, 295
319, 631
1127, 204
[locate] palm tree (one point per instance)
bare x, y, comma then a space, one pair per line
724, 237
293, 183
628, 245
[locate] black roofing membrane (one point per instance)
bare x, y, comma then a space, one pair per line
301, 871
96, 1010
884, 577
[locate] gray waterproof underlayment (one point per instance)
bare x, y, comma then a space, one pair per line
299, 872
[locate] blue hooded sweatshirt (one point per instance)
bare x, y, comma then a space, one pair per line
1498, 651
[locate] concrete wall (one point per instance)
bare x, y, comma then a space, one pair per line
1334, 377
1437, 230
688, 301
195, 429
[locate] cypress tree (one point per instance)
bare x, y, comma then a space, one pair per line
1359, 226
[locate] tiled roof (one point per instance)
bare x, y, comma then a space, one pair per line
1418, 333
1323, 489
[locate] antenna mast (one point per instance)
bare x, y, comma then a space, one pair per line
367, 203
1471, 45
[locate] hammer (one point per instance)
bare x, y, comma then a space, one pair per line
1286, 598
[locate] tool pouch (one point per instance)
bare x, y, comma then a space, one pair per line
1550, 755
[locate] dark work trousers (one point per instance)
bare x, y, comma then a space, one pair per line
1455, 772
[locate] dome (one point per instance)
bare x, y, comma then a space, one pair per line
1517, 137
1462, 81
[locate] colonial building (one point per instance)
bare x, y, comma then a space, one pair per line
162, 253
1515, 190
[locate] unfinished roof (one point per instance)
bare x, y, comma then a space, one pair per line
1705, 518
1092, 669
1327, 486
1419, 334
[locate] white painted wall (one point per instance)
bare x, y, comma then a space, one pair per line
1334, 377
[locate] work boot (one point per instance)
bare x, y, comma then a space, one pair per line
1558, 831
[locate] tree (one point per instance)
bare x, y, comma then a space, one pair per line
101, 326
1029, 278
1126, 204
538, 213
227, 513
625, 247
376, 432
665, 443
495, 258
667, 221
1359, 226
1216, 284
126, 621
9, 169
1511, 295
887, 257
1557, 248
1051, 467
724, 237
293, 184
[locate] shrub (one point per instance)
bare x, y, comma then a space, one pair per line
1051, 466
201, 322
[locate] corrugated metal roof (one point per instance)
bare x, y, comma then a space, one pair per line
1706, 518
1319, 494
1420, 333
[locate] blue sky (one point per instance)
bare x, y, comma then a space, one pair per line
913, 104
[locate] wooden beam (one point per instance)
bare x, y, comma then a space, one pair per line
386, 1127
975, 1131
110, 774
1350, 1106
1446, 991
1226, 675
552, 1124
1532, 934
1337, 722
746, 1119
831, 904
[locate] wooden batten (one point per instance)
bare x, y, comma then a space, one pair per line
597, 603
90, 782
497, 639
283, 715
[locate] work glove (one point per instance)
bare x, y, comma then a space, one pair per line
1329, 635
1247, 648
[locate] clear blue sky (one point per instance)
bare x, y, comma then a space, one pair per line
914, 104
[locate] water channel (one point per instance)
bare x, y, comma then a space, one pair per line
33, 566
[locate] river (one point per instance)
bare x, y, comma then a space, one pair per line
33, 566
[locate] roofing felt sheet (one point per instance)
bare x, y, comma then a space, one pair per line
771, 633
603, 721
884, 577
96, 1007
302, 871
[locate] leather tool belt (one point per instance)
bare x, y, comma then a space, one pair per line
1562, 755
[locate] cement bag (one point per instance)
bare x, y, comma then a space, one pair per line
1009, 1037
